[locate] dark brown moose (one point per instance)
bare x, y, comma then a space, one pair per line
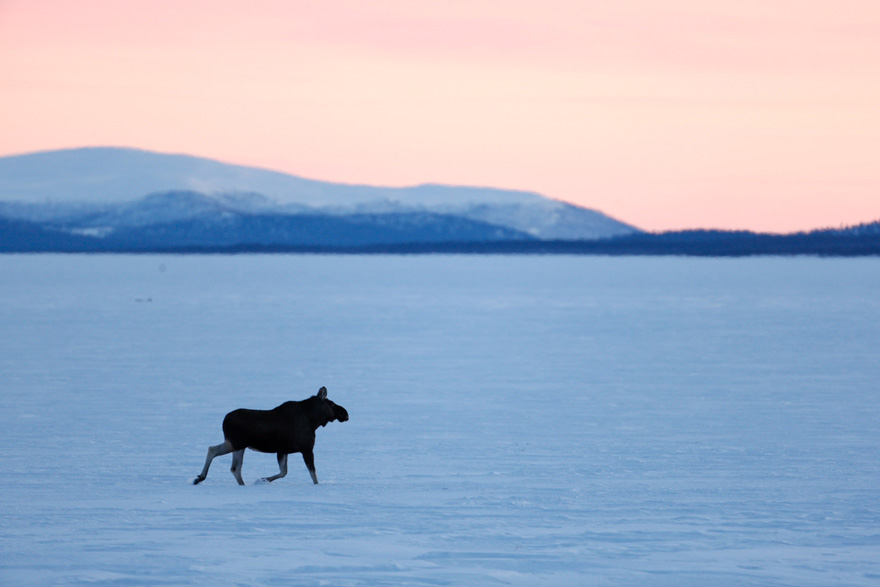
287, 429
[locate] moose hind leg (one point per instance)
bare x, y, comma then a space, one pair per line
282, 468
214, 451
237, 459
309, 458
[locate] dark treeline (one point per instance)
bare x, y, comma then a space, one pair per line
16, 236
688, 243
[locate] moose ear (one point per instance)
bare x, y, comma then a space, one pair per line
322, 393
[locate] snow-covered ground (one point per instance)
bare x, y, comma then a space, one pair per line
514, 420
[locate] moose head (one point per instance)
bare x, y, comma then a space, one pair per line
329, 411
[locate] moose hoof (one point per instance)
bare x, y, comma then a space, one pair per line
198, 480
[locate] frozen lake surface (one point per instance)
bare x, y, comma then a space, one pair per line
514, 420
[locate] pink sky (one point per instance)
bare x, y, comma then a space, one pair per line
758, 114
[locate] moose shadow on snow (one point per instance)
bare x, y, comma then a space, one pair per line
287, 429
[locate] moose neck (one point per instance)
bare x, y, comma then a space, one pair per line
316, 413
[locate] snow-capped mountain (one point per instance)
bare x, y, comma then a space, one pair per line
99, 191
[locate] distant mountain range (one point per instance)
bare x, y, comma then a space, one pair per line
128, 200
131, 199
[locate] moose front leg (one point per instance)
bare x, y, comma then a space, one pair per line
309, 458
282, 468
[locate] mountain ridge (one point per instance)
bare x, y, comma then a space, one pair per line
84, 168
40, 211
173, 220
45, 185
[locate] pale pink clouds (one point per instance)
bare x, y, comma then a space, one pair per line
762, 115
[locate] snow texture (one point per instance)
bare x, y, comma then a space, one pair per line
514, 420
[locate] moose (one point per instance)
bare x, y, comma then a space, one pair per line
287, 429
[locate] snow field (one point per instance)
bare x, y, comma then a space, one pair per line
514, 420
